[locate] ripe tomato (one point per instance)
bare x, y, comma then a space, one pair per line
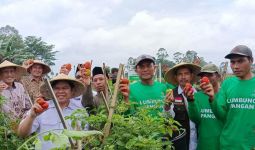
205, 79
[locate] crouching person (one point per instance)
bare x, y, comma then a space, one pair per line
39, 119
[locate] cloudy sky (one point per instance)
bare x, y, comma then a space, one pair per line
111, 31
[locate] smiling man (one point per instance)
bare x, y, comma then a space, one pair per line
37, 70
180, 75
235, 103
65, 88
16, 100
147, 92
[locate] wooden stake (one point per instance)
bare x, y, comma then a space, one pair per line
106, 80
105, 101
113, 103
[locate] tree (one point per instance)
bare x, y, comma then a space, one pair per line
162, 55
39, 49
11, 44
162, 58
178, 57
17, 50
190, 57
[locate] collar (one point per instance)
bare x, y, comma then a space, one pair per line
180, 91
31, 78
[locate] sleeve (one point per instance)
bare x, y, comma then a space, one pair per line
35, 126
132, 104
87, 98
219, 105
194, 111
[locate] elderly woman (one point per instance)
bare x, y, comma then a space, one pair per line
65, 88
16, 100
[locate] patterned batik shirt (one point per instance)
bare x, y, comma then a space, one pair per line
32, 87
16, 101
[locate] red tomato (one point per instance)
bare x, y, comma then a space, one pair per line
205, 80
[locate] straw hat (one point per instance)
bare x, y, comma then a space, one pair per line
19, 69
78, 88
46, 68
170, 75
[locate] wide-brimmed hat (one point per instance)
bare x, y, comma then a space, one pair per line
78, 87
170, 75
209, 68
19, 69
46, 68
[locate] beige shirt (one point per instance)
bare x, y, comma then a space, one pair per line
16, 101
32, 86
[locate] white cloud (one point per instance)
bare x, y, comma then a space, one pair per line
84, 30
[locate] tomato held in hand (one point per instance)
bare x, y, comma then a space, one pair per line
124, 81
68, 66
205, 80
188, 86
87, 65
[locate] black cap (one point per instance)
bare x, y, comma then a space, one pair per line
98, 70
240, 50
144, 57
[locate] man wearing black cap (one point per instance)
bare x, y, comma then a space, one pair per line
147, 92
99, 83
235, 103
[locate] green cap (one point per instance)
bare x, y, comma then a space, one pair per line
209, 68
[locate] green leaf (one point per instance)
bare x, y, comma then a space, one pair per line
81, 134
59, 140
47, 137
130, 143
38, 144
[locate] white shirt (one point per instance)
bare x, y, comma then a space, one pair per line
49, 120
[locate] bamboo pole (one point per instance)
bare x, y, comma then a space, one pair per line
105, 101
106, 80
59, 111
113, 103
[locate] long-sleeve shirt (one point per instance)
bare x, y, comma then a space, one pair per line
92, 101
235, 107
16, 101
209, 127
32, 86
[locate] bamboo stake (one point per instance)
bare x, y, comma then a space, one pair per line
108, 86
59, 111
78, 142
113, 103
105, 101
30, 101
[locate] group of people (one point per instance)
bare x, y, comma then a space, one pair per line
214, 115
